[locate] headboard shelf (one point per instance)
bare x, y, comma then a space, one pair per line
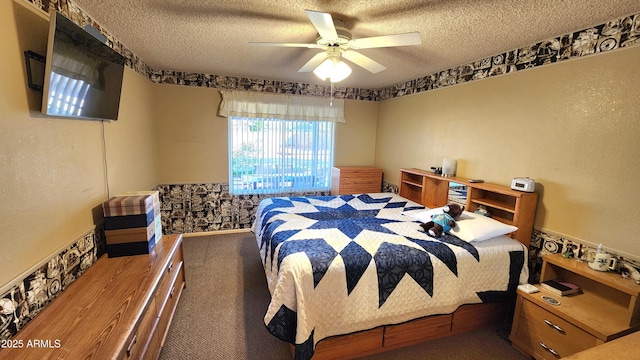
504, 206
503, 203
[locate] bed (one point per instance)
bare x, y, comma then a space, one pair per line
348, 264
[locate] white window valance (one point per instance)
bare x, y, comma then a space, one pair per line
285, 107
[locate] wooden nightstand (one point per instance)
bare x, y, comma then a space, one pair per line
606, 309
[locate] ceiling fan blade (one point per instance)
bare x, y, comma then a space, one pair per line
363, 61
285, 44
406, 39
314, 62
323, 22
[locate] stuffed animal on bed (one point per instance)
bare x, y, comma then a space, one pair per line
443, 223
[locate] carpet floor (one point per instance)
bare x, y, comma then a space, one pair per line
221, 310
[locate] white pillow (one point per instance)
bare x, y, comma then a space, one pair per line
422, 215
476, 227
469, 226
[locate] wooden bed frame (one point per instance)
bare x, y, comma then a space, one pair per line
508, 206
390, 337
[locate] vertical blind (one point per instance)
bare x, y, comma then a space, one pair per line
279, 156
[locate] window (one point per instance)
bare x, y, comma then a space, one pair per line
279, 156
280, 143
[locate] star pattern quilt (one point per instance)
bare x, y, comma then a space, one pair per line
339, 264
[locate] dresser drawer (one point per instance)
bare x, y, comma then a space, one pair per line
138, 342
169, 277
368, 180
153, 350
546, 334
169, 301
359, 189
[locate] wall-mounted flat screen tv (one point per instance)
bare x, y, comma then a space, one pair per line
83, 76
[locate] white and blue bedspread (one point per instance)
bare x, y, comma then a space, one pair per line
340, 264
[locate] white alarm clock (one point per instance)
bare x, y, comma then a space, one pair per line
523, 184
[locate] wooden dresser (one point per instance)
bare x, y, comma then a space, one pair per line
120, 308
355, 180
606, 309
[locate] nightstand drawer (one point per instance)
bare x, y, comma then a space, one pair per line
546, 334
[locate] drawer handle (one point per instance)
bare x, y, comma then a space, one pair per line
558, 328
170, 267
549, 349
130, 347
173, 289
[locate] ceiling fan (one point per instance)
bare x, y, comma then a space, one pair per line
336, 41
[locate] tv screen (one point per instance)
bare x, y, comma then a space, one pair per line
83, 76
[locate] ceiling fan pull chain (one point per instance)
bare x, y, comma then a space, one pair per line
331, 98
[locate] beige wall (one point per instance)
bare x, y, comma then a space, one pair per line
194, 139
356, 139
131, 142
572, 126
52, 174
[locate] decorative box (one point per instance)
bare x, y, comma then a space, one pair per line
154, 194
133, 204
133, 241
131, 221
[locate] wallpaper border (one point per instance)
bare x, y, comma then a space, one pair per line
609, 36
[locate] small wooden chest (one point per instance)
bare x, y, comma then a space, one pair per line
355, 180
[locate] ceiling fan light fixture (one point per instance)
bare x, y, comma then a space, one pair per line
334, 69
338, 43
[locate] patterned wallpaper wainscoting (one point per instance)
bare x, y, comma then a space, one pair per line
543, 243
26, 299
388, 187
192, 208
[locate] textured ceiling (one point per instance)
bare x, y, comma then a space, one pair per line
212, 36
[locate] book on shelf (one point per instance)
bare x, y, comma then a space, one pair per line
560, 287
